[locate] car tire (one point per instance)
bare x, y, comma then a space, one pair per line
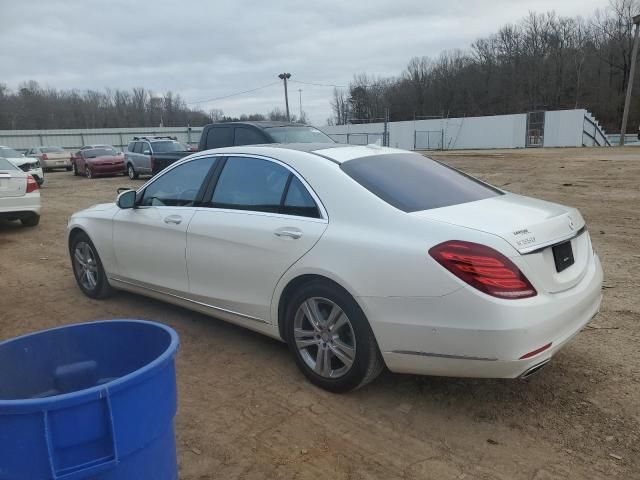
88, 173
87, 268
350, 356
31, 221
133, 175
74, 167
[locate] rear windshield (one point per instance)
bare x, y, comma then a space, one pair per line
9, 153
302, 134
100, 152
411, 182
52, 150
7, 165
168, 146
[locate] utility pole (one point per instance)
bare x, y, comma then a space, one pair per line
300, 92
632, 71
284, 77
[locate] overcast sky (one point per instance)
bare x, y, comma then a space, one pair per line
207, 49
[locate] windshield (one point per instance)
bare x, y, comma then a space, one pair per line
7, 165
100, 152
411, 182
167, 146
9, 153
52, 150
302, 134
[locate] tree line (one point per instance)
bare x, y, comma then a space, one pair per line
33, 107
543, 62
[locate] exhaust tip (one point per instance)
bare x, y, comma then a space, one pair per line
533, 370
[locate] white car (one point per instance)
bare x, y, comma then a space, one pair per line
19, 195
356, 256
29, 165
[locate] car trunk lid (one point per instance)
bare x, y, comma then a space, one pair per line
12, 184
534, 228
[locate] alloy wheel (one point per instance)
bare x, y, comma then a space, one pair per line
131, 172
324, 337
86, 266
87, 172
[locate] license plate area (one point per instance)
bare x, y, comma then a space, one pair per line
563, 256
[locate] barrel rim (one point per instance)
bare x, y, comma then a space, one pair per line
65, 400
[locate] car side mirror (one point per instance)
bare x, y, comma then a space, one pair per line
126, 199
146, 152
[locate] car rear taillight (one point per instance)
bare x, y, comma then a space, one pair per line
32, 185
151, 162
44, 157
483, 268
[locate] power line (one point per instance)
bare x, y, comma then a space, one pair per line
319, 84
233, 94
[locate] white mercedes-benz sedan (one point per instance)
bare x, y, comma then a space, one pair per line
357, 256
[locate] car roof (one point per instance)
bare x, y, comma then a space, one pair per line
335, 152
263, 124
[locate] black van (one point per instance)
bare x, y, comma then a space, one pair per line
217, 135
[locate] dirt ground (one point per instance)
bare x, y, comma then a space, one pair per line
246, 412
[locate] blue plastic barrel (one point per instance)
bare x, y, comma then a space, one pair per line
89, 401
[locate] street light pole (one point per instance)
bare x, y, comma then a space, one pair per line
632, 71
300, 92
284, 77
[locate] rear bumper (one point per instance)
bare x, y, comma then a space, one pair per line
20, 207
468, 334
56, 163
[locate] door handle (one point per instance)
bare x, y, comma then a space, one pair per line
288, 232
175, 219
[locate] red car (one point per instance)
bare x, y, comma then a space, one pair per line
97, 162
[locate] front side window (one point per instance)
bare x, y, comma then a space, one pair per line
138, 147
180, 186
411, 182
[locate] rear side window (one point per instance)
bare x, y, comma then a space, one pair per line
299, 201
130, 146
247, 136
138, 147
411, 182
250, 184
219, 137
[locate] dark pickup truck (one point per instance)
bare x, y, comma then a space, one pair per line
218, 135
150, 155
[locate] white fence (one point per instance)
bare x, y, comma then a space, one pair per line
562, 128
76, 138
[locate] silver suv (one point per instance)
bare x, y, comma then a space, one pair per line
143, 152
